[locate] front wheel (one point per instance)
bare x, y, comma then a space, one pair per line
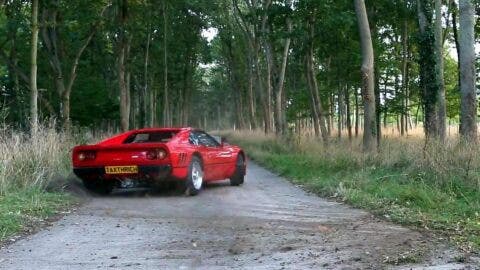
194, 180
239, 176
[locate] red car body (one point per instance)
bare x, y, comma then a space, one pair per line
157, 154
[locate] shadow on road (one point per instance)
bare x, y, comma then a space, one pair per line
75, 187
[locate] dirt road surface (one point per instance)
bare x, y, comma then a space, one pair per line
268, 223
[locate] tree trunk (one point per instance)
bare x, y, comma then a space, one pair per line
33, 70
378, 106
397, 93
167, 118
145, 75
251, 96
280, 114
269, 91
368, 84
129, 95
340, 112
269, 63
428, 71
121, 67
317, 108
332, 113
357, 114
468, 111
408, 118
384, 108
320, 110
257, 76
124, 117
313, 106
454, 12
404, 78
347, 114
152, 104
265, 101
251, 39
318, 113
442, 109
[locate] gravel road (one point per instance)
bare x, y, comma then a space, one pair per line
267, 223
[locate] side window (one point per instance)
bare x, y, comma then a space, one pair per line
207, 140
193, 138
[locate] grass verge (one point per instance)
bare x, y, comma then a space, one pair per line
435, 187
33, 173
26, 210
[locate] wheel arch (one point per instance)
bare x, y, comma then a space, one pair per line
199, 156
241, 153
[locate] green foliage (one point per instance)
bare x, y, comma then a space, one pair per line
202, 75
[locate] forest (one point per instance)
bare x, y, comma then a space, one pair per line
281, 66
378, 97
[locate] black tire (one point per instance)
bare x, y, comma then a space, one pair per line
100, 187
193, 184
239, 176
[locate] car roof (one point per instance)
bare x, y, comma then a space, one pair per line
161, 129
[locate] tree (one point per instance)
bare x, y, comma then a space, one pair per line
368, 84
429, 82
33, 69
167, 121
64, 69
468, 111
317, 108
250, 32
123, 50
442, 113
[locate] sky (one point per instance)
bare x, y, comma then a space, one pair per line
209, 33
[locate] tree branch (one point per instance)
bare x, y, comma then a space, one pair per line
73, 71
241, 22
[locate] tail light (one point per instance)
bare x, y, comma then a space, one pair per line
156, 154
87, 155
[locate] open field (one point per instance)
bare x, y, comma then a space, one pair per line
433, 187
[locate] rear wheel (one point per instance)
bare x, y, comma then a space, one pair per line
98, 186
239, 175
194, 181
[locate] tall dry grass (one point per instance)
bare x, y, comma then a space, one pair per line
33, 161
448, 164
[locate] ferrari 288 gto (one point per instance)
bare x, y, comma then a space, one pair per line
146, 157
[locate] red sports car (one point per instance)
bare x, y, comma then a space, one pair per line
155, 155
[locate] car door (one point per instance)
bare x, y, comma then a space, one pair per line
214, 156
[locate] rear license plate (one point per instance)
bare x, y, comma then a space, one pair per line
121, 169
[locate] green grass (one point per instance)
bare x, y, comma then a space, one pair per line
432, 191
29, 208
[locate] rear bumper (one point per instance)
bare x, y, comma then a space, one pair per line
157, 172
